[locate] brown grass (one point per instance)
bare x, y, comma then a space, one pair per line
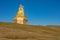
12, 31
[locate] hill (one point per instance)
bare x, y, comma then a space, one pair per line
12, 31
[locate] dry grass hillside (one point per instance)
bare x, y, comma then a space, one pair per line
11, 31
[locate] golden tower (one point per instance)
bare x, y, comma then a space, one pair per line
20, 17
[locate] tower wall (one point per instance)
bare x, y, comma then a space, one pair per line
20, 20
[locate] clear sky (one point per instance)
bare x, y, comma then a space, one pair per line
38, 12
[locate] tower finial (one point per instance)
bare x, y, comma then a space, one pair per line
21, 6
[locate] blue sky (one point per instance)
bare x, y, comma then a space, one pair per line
38, 12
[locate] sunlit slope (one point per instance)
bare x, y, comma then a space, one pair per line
12, 31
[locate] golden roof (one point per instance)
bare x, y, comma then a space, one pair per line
20, 13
